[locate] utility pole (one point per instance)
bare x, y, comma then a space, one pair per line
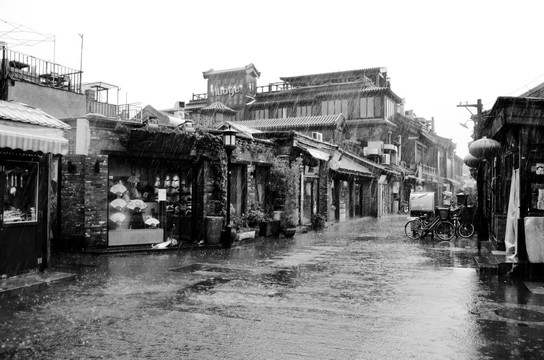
481, 224
81, 61
478, 107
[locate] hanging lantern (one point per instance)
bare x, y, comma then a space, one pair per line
471, 161
484, 148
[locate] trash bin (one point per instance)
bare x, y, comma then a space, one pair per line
213, 226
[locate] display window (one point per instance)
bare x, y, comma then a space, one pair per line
148, 195
19, 188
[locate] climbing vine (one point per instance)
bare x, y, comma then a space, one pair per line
206, 146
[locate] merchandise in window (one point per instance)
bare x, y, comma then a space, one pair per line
20, 189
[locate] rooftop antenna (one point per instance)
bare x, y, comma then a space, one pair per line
20, 35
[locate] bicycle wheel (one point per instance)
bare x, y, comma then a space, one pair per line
444, 230
466, 230
414, 229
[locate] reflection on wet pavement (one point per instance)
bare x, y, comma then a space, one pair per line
356, 290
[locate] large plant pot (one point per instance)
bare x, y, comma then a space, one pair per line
242, 235
213, 226
289, 232
270, 228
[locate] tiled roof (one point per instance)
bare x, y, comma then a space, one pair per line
247, 68
292, 122
27, 114
218, 107
333, 74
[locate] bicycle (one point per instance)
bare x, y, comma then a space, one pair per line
462, 228
438, 225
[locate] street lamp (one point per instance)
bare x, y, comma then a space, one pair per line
229, 142
465, 123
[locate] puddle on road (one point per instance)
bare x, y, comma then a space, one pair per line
204, 285
523, 315
205, 267
284, 277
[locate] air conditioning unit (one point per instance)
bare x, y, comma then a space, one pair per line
317, 136
386, 159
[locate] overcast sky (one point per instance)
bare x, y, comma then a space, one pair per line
437, 53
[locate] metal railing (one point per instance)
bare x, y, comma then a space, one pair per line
279, 86
203, 96
130, 112
28, 68
428, 170
125, 112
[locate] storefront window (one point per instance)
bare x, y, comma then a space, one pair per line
19, 191
148, 195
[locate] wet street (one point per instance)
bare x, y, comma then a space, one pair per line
357, 290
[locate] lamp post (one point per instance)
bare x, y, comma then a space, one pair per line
229, 142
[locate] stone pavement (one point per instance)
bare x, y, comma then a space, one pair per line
15, 285
489, 260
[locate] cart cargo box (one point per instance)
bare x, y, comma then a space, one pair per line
422, 201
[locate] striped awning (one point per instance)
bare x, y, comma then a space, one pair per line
28, 128
29, 137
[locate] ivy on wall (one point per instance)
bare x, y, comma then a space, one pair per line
202, 144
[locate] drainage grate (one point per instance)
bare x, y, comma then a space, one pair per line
521, 315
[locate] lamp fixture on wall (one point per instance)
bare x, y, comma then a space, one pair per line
229, 142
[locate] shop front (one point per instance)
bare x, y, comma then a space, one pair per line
150, 200
352, 187
30, 142
511, 178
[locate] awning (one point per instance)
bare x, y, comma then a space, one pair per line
36, 138
318, 154
348, 166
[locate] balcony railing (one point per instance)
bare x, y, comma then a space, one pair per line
125, 112
130, 112
429, 171
27, 68
203, 96
279, 86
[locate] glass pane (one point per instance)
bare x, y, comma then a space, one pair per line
20, 199
363, 107
370, 108
345, 108
337, 107
324, 108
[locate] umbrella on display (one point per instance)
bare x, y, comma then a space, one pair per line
133, 204
447, 193
118, 204
152, 222
118, 218
118, 188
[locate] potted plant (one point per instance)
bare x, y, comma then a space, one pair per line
284, 186
242, 229
269, 226
318, 221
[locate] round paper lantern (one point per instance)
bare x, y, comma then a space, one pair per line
471, 161
485, 148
